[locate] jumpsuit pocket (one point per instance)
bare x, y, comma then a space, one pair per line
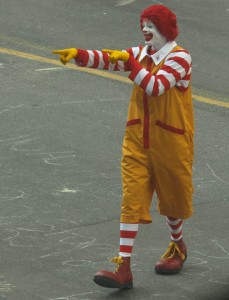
133, 122
170, 128
133, 131
173, 146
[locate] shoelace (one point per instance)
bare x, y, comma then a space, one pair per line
117, 260
171, 251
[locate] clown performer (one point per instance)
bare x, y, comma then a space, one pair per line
158, 142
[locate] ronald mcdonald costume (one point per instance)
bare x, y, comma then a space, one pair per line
158, 141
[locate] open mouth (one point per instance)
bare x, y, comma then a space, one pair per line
148, 37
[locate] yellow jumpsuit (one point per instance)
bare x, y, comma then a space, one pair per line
158, 153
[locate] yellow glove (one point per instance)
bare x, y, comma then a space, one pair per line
66, 54
115, 55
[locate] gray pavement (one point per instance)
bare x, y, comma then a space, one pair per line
60, 140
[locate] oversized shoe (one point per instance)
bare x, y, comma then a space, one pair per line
122, 277
172, 261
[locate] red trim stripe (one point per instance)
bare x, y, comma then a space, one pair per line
135, 68
82, 58
96, 59
133, 122
164, 81
155, 91
146, 110
130, 51
146, 121
181, 61
187, 77
172, 71
170, 128
127, 249
182, 88
128, 234
174, 227
106, 61
145, 81
176, 235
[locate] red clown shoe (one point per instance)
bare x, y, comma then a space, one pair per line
172, 261
122, 277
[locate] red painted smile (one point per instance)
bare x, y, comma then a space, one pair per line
148, 36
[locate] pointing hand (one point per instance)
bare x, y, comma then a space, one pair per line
66, 54
115, 55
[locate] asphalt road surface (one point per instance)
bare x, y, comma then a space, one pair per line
61, 132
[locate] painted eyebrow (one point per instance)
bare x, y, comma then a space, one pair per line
147, 24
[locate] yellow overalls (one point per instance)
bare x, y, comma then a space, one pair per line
158, 153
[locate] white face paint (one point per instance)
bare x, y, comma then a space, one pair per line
152, 36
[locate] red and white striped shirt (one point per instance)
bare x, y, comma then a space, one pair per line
176, 70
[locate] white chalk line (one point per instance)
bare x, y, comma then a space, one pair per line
50, 69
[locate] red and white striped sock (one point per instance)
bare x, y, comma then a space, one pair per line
128, 233
175, 226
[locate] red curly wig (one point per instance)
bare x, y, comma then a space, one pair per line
163, 18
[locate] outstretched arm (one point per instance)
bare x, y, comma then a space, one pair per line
102, 60
175, 71
98, 59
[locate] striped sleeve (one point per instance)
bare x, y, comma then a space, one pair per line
98, 60
175, 71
